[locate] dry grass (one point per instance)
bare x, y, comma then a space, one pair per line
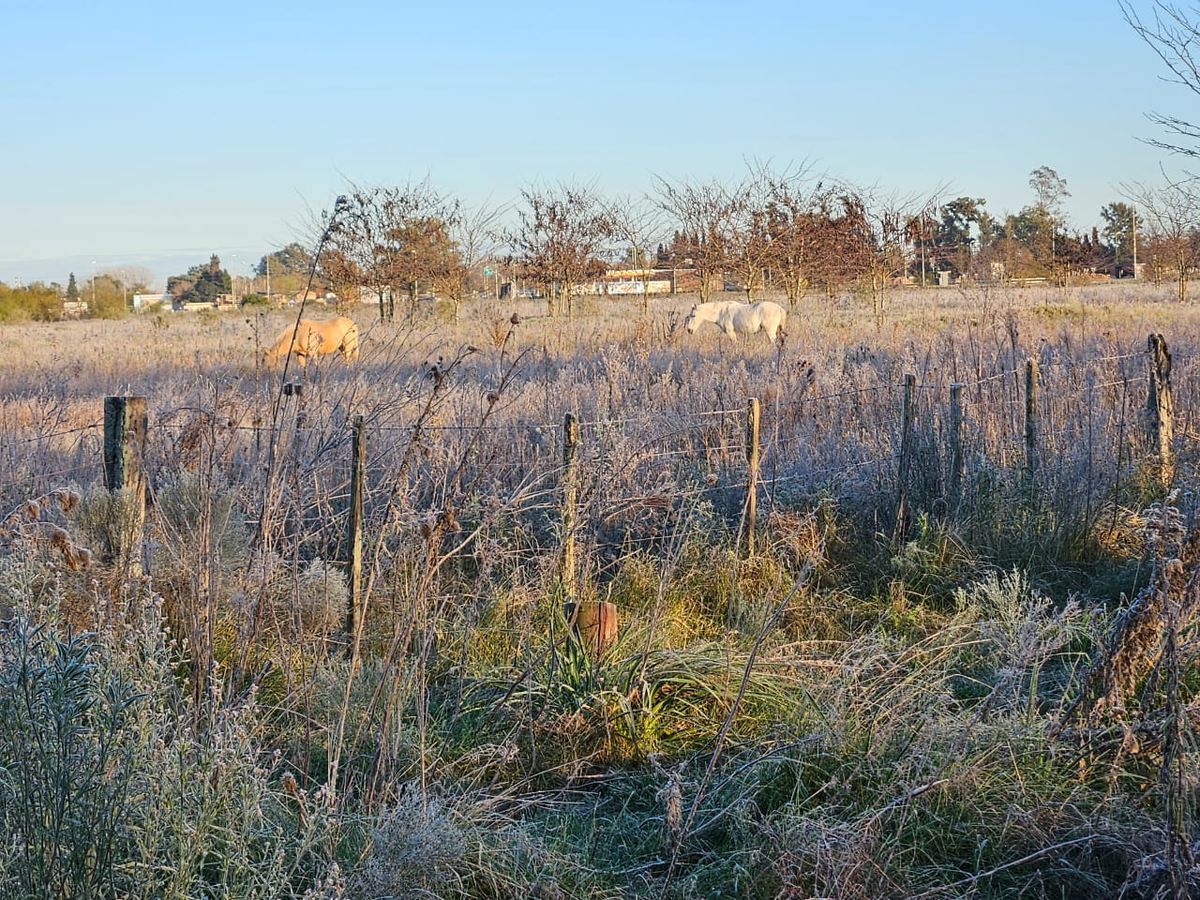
884, 730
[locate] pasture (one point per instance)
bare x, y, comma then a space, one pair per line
956, 658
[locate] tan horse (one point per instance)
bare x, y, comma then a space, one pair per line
311, 338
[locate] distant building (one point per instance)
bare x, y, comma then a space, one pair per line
144, 301
314, 297
636, 281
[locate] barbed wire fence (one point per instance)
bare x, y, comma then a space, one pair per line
1072, 448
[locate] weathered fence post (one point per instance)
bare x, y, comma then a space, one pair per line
1031, 424
593, 625
1160, 408
957, 463
126, 425
568, 564
358, 455
752, 464
906, 440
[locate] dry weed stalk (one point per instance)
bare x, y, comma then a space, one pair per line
671, 796
1135, 646
459, 482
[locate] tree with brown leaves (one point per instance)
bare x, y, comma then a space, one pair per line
562, 233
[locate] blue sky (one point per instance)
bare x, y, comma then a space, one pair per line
153, 134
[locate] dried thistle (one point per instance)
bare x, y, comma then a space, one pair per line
36, 533
66, 499
31, 510
77, 558
57, 538
671, 796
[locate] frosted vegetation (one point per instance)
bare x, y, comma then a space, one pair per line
950, 667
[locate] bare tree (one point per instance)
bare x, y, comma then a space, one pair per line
750, 246
920, 231
706, 214
472, 240
836, 253
1175, 38
794, 221
1171, 212
561, 235
639, 224
1169, 215
879, 239
392, 238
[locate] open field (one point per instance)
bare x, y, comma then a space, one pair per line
957, 660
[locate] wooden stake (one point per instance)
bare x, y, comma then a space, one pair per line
957, 463
907, 412
354, 532
593, 625
752, 463
126, 425
1031, 412
1160, 408
570, 445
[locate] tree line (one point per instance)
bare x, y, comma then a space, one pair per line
784, 230
788, 231
106, 295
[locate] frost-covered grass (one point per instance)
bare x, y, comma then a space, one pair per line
870, 705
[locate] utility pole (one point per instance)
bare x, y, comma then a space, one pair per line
1135, 240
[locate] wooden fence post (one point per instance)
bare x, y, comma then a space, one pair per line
568, 564
957, 463
126, 425
1031, 411
358, 455
593, 625
752, 463
1160, 408
906, 439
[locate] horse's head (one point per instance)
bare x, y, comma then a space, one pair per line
691, 323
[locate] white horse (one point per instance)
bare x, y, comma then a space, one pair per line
736, 318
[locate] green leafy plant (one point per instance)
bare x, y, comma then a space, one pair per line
66, 767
